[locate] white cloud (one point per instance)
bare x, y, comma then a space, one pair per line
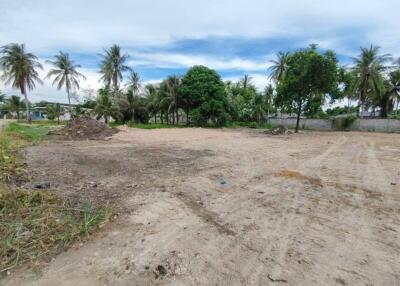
175, 60
91, 24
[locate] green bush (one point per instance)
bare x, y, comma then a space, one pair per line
349, 120
253, 125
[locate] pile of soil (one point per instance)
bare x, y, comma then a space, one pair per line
278, 130
86, 128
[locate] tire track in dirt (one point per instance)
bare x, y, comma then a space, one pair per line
287, 222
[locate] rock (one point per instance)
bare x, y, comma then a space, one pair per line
41, 185
161, 270
222, 181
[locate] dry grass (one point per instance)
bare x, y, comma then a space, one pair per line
35, 224
300, 177
38, 223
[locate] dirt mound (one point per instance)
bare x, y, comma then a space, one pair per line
278, 130
86, 128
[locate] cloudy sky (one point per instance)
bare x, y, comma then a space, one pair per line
166, 37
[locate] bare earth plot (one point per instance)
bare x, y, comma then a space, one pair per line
230, 207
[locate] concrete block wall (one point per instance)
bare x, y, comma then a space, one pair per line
373, 124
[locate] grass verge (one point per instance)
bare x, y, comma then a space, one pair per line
12, 139
35, 224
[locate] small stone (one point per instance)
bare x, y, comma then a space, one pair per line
41, 185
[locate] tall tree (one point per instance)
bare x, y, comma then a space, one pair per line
269, 99
130, 103
246, 81
278, 68
368, 69
390, 100
206, 92
172, 84
20, 70
134, 82
309, 76
65, 73
112, 66
153, 100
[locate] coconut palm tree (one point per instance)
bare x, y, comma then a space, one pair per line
278, 68
54, 111
112, 66
393, 89
153, 100
172, 84
105, 106
246, 81
134, 82
15, 104
65, 74
20, 70
368, 69
130, 103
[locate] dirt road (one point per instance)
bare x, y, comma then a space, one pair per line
230, 207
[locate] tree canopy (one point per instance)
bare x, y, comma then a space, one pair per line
309, 77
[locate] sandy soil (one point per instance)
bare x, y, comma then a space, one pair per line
230, 207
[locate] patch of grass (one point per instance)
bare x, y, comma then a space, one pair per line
253, 125
153, 125
38, 223
15, 137
29, 133
49, 123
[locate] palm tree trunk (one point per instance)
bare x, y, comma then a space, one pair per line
28, 108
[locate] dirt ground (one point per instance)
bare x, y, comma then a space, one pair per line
229, 207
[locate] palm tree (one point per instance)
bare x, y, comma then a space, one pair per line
105, 106
278, 68
20, 70
112, 66
130, 103
153, 100
246, 81
172, 86
269, 99
393, 89
54, 111
134, 82
65, 73
369, 67
15, 104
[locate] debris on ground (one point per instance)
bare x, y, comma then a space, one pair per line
278, 130
86, 128
41, 185
222, 181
